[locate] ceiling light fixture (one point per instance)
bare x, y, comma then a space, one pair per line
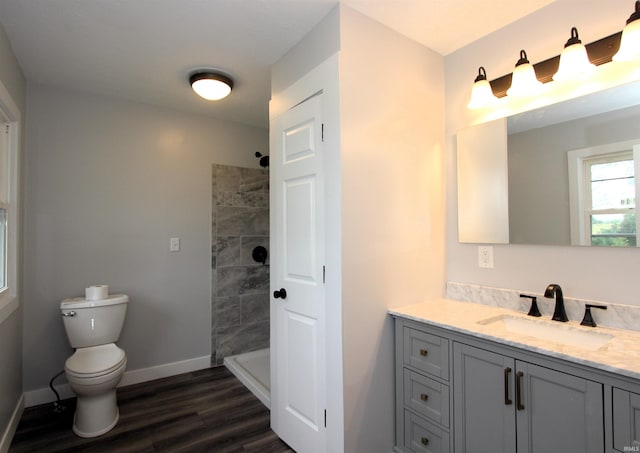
630, 41
574, 61
211, 85
524, 81
481, 94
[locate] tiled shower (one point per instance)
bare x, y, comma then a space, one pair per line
240, 285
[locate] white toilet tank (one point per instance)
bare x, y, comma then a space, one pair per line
94, 322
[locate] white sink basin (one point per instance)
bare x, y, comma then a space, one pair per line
552, 331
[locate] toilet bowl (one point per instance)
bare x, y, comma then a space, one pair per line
93, 374
97, 365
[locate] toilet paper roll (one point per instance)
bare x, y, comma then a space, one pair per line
96, 292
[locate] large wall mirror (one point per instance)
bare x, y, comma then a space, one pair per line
564, 174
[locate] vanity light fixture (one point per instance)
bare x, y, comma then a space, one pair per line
524, 81
574, 61
211, 85
481, 94
630, 41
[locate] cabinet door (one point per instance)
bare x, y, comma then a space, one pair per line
626, 420
561, 413
483, 396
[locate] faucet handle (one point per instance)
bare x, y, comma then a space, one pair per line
533, 311
587, 320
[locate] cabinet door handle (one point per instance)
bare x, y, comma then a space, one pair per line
423, 352
519, 404
424, 440
507, 400
424, 396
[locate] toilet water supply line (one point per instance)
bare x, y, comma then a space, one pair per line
57, 405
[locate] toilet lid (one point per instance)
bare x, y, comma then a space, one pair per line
95, 360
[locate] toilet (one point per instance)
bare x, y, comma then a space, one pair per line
97, 365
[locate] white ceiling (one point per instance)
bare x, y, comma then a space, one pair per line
144, 50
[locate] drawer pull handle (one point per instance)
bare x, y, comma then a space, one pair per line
424, 396
424, 441
519, 404
507, 400
423, 352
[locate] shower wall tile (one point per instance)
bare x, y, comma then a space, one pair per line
228, 311
253, 179
228, 178
257, 280
239, 221
233, 340
228, 251
231, 280
254, 308
240, 286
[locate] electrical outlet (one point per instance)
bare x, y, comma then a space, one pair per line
174, 244
485, 256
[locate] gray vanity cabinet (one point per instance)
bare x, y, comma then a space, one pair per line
459, 393
506, 405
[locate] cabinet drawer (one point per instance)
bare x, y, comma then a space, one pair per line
426, 352
421, 436
427, 397
626, 420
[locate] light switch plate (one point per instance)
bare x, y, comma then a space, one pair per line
485, 256
174, 244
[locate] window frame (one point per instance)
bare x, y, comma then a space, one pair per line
10, 115
580, 182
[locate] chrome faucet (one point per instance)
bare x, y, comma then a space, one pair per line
558, 313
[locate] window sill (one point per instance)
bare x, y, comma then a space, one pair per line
7, 309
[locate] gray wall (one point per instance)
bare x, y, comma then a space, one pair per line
108, 183
11, 329
240, 299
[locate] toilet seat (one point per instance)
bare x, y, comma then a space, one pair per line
95, 361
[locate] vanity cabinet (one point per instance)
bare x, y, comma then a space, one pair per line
506, 405
456, 392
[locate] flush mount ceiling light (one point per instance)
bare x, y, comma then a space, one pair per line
211, 85
524, 81
574, 62
481, 94
630, 41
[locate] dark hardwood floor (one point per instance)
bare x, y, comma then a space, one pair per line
203, 411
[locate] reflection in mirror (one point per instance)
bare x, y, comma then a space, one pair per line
571, 172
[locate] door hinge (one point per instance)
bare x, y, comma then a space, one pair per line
324, 274
325, 418
322, 133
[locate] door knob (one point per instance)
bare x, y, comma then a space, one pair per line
280, 294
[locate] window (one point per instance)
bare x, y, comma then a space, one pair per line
4, 203
611, 200
9, 133
603, 195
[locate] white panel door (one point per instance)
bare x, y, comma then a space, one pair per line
298, 384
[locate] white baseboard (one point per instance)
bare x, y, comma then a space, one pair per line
165, 370
7, 437
45, 395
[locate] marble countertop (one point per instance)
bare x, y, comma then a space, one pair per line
614, 350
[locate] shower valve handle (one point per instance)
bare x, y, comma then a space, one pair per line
280, 294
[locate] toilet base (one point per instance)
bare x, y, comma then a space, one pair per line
96, 414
